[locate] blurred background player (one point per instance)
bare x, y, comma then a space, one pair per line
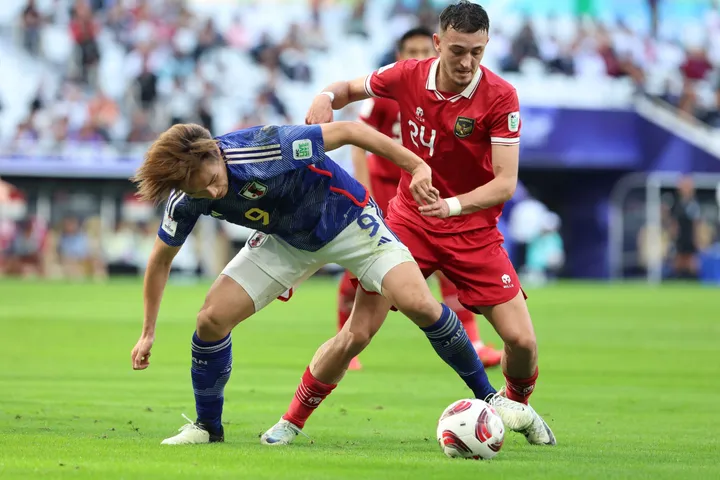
382, 177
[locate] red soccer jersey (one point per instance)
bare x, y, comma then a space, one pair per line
383, 115
453, 133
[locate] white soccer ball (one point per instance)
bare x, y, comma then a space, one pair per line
470, 428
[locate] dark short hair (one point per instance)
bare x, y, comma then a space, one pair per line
465, 17
412, 33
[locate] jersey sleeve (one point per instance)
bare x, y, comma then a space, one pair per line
386, 81
178, 219
371, 114
282, 149
505, 120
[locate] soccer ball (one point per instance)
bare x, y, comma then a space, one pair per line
470, 428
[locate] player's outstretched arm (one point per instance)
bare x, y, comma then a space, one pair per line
360, 166
338, 134
341, 93
156, 277
498, 190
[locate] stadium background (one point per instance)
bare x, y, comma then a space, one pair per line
620, 103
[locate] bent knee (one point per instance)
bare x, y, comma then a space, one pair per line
355, 340
423, 309
522, 341
211, 326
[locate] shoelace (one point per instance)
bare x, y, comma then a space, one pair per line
188, 425
292, 427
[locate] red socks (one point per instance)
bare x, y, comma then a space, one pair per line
449, 293
520, 389
308, 396
346, 298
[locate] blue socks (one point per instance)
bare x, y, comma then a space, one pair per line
211, 367
450, 341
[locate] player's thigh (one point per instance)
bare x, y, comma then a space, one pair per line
266, 267
227, 303
405, 287
383, 265
511, 320
369, 249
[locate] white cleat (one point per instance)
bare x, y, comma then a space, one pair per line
539, 432
516, 416
192, 433
282, 433
523, 419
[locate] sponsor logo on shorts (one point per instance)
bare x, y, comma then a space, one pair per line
254, 190
257, 239
384, 240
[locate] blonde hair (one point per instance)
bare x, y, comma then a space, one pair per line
172, 158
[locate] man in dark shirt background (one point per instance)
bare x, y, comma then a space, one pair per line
686, 213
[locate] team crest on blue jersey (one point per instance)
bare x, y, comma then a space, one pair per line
254, 190
464, 126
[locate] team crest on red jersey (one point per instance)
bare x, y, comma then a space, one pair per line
464, 126
254, 190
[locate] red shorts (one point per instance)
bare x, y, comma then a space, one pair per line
474, 261
383, 190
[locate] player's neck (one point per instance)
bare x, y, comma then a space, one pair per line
444, 84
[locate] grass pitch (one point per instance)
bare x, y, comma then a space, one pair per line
628, 381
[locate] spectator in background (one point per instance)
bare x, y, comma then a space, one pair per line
73, 247
686, 213
695, 69
24, 255
31, 25
119, 250
545, 252
526, 221
237, 35
208, 38
523, 46
356, 22
104, 113
140, 131
84, 30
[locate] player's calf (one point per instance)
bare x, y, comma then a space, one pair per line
405, 286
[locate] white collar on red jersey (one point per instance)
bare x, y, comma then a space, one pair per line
467, 93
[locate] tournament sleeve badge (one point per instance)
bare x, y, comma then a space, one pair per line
464, 126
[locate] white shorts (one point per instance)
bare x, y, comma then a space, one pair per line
267, 266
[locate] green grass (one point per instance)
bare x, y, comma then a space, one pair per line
628, 381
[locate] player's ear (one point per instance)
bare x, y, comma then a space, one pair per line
436, 42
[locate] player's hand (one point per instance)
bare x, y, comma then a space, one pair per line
141, 353
439, 209
320, 111
421, 185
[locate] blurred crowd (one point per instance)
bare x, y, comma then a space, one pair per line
74, 245
136, 66
117, 72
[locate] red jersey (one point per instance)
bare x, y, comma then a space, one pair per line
453, 133
383, 115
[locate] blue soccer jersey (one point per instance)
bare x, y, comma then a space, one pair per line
280, 182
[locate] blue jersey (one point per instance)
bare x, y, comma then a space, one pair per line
280, 182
